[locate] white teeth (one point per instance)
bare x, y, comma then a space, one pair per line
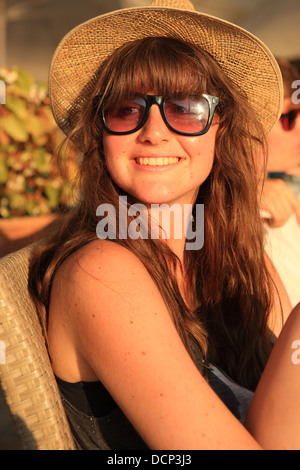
157, 161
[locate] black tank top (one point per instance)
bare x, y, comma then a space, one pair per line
97, 423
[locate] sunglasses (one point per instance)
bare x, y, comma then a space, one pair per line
288, 120
190, 116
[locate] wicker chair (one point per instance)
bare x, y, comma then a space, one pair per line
26, 376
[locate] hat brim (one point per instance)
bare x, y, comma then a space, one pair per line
241, 55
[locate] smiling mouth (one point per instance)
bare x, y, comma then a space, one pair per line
158, 161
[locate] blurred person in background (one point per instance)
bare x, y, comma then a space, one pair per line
281, 193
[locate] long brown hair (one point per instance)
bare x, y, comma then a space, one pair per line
229, 282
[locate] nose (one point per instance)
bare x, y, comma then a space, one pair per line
155, 130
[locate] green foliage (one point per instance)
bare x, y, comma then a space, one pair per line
30, 182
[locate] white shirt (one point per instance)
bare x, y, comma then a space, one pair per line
282, 244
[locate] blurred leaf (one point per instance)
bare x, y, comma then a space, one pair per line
37, 207
17, 106
8, 75
52, 195
14, 161
25, 156
40, 140
14, 127
23, 83
31, 186
42, 160
4, 173
4, 138
17, 201
34, 125
38, 93
12, 146
20, 183
30, 205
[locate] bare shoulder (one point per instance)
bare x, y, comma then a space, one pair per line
103, 278
98, 290
110, 305
101, 259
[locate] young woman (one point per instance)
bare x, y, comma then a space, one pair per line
156, 343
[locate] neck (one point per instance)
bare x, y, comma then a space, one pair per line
178, 227
169, 223
172, 224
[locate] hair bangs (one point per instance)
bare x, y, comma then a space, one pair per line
162, 66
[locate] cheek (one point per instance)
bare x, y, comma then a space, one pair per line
277, 142
113, 152
276, 136
203, 158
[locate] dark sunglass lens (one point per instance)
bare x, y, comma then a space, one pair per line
288, 120
188, 115
126, 116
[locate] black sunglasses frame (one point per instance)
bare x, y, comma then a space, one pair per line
213, 101
290, 119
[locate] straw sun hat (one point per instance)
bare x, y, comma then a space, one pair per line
243, 57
